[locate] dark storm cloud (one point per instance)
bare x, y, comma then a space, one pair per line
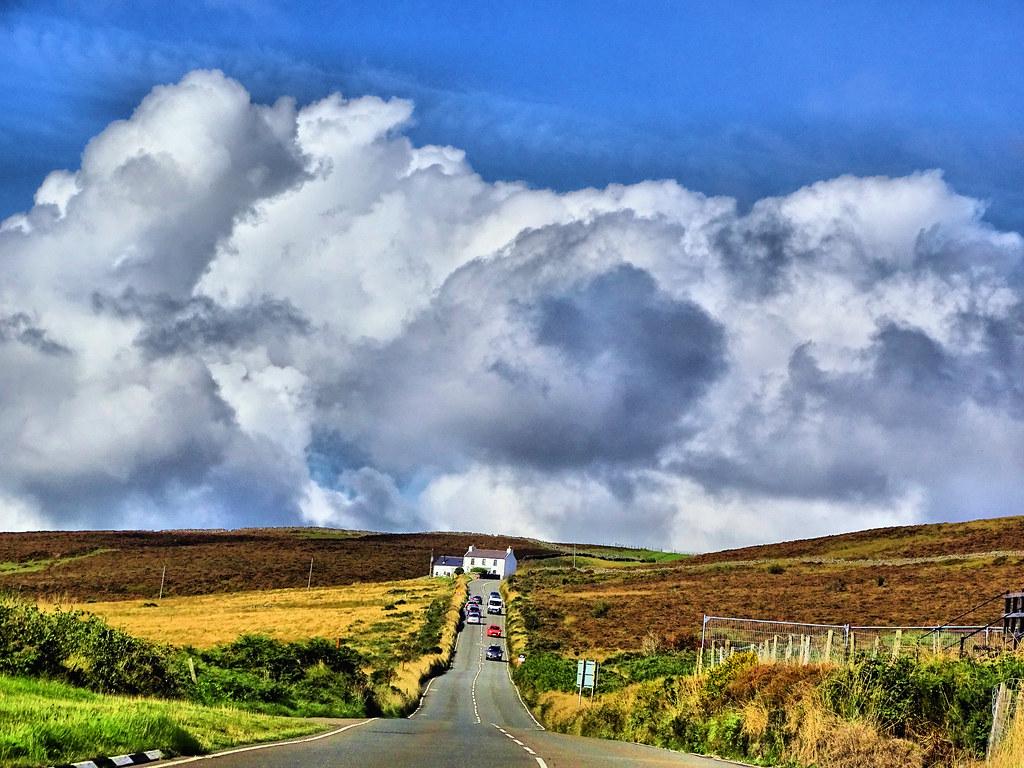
910, 359
853, 436
999, 366
603, 372
20, 328
187, 326
662, 353
757, 249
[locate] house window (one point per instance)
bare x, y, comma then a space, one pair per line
472, 561
495, 562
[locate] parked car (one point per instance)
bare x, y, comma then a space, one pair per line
494, 653
494, 631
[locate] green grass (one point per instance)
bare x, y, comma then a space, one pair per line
44, 723
9, 567
607, 557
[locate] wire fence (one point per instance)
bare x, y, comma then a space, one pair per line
789, 642
1007, 714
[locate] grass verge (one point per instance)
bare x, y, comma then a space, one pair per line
45, 723
435, 646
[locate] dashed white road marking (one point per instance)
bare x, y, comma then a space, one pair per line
479, 669
540, 760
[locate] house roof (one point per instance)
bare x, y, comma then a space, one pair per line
448, 560
495, 553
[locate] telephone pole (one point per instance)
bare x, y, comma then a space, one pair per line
309, 581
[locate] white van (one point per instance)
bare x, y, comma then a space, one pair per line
494, 605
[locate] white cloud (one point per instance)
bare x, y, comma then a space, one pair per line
236, 313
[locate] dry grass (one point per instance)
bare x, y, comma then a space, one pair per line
1010, 753
824, 739
355, 612
559, 711
410, 675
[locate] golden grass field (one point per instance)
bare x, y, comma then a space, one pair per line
373, 617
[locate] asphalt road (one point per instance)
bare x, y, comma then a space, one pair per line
470, 717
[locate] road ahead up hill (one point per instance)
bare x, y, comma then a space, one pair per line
471, 717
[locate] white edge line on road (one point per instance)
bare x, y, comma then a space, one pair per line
423, 697
508, 668
254, 747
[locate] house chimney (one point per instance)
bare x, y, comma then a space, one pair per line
470, 548
508, 551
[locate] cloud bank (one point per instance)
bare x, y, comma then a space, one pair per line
238, 314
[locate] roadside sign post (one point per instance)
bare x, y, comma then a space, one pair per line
586, 677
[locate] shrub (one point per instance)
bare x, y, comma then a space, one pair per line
546, 672
428, 637
600, 609
776, 569
83, 650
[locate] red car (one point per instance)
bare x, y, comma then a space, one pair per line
494, 631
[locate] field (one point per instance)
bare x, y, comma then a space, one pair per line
921, 575
45, 723
122, 565
377, 619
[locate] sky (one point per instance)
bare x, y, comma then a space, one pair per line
660, 274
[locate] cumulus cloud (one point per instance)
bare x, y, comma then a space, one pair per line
237, 314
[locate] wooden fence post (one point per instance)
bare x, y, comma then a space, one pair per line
897, 641
828, 647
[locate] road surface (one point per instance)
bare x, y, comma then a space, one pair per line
470, 717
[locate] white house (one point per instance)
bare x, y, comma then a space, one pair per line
494, 561
445, 565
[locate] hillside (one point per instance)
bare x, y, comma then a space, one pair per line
917, 575
911, 575
112, 565
1002, 534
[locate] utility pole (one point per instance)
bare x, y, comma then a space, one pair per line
574, 556
162, 577
309, 581
430, 568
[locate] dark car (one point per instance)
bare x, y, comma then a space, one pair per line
476, 599
494, 653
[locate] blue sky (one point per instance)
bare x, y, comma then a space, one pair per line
744, 99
